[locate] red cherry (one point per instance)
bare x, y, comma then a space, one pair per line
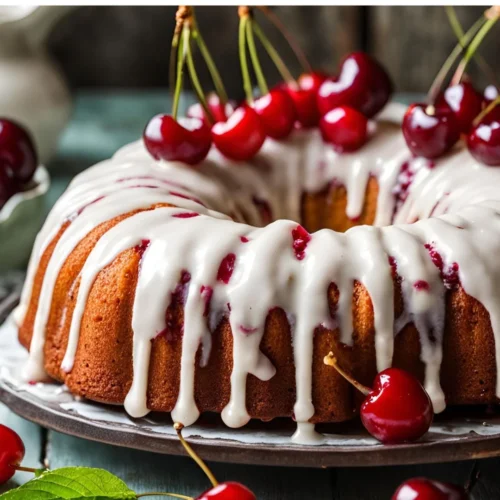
8, 186
430, 132
219, 112
464, 101
398, 409
241, 136
11, 452
483, 141
228, 491
312, 81
345, 128
490, 94
305, 106
277, 113
362, 84
421, 488
17, 150
187, 139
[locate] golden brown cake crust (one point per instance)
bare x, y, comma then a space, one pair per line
103, 363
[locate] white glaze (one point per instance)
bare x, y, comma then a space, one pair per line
461, 195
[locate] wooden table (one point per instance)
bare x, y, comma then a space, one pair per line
100, 125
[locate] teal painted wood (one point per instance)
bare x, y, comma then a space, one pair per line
144, 471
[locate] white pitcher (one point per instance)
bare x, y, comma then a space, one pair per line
33, 90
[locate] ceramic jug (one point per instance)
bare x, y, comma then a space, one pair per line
32, 88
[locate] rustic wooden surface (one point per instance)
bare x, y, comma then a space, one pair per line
129, 46
100, 124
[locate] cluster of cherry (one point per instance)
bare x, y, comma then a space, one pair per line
18, 160
340, 105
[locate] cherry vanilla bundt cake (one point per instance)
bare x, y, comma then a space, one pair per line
172, 289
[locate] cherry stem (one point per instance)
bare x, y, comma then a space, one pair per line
161, 494
261, 81
331, 360
485, 111
203, 466
247, 82
299, 53
180, 16
181, 56
443, 72
212, 68
273, 54
20, 468
194, 76
459, 33
471, 49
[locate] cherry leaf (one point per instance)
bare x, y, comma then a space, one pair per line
72, 483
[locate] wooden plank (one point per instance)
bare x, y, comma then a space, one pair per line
414, 41
130, 45
31, 434
144, 471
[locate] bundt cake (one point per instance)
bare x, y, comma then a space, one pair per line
222, 288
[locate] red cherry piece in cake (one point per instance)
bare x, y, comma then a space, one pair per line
17, 151
11, 452
430, 132
398, 409
421, 488
277, 113
219, 112
465, 103
300, 240
228, 491
8, 186
362, 84
226, 268
345, 128
241, 136
483, 141
186, 139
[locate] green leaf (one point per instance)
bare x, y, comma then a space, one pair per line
72, 483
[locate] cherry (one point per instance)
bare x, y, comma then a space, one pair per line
187, 139
219, 112
228, 491
490, 94
241, 136
483, 141
17, 150
421, 488
312, 81
429, 131
8, 185
397, 409
362, 84
11, 453
345, 128
277, 113
464, 101
305, 105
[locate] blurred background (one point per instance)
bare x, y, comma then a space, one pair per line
129, 46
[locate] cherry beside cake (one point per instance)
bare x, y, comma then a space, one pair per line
212, 267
